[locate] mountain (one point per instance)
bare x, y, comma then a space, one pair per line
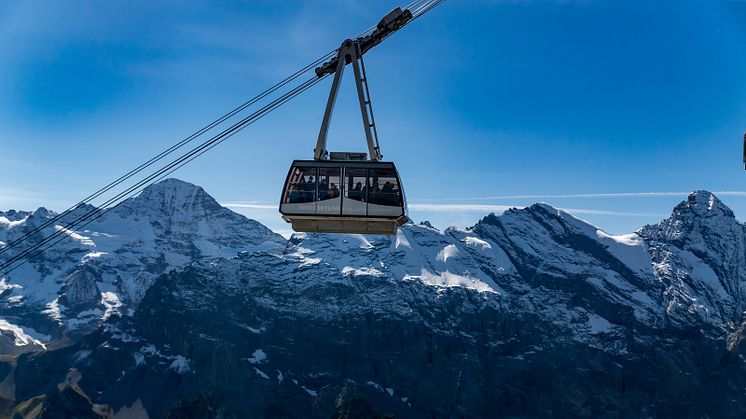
106, 269
530, 313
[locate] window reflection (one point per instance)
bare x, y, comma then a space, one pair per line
355, 180
328, 183
301, 185
383, 188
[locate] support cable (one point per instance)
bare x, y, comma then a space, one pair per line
165, 153
88, 217
422, 7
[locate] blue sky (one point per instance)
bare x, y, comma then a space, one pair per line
483, 104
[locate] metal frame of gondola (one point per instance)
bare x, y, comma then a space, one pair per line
349, 52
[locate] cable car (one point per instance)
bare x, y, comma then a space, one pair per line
343, 192
343, 196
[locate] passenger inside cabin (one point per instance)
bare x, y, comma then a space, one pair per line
295, 195
333, 191
374, 193
324, 188
309, 190
356, 193
388, 194
300, 188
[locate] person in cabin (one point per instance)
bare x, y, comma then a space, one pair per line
294, 196
324, 187
388, 194
333, 191
357, 192
310, 190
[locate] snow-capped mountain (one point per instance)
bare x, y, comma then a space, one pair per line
528, 313
106, 268
699, 256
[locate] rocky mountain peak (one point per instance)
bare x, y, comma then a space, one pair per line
702, 203
539, 209
175, 191
535, 296
106, 269
700, 214
541, 216
41, 213
171, 197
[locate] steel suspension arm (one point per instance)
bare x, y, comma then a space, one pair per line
392, 22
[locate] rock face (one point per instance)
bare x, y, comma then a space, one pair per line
531, 313
106, 269
699, 255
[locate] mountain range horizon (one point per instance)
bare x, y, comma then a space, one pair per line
488, 208
172, 305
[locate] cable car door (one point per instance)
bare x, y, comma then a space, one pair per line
355, 189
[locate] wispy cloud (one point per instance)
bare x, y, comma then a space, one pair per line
502, 208
18, 199
465, 208
461, 208
585, 196
248, 205
578, 211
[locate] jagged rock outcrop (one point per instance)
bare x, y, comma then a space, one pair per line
699, 254
81, 288
107, 268
530, 313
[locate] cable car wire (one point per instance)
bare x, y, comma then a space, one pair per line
90, 216
174, 165
166, 152
85, 219
426, 7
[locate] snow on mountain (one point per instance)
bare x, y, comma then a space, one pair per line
523, 256
416, 253
106, 268
557, 254
15, 339
531, 304
699, 256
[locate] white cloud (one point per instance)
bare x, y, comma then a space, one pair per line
501, 208
13, 198
589, 195
612, 213
462, 208
248, 205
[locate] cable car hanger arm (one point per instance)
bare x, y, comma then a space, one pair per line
392, 22
349, 49
351, 52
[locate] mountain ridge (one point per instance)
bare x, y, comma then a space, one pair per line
529, 305
107, 267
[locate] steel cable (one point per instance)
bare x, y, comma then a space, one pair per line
89, 217
85, 219
165, 153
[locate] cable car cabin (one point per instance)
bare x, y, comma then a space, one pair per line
328, 196
339, 192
